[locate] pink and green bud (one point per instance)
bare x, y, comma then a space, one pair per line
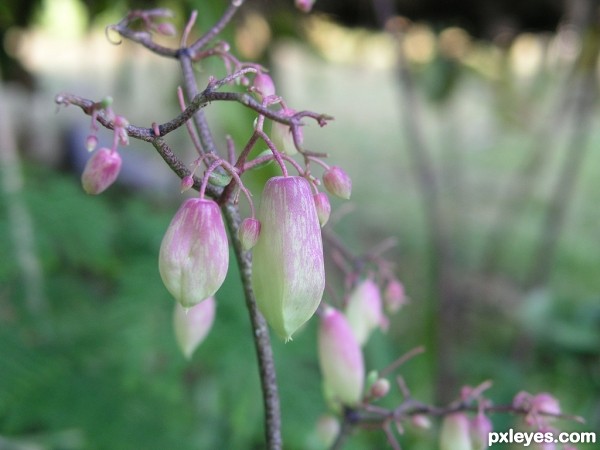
289, 272
91, 143
249, 232
340, 358
481, 427
337, 182
100, 171
323, 207
304, 5
263, 85
281, 135
193, 324
380, 388
421, 421
364, 310
455, 433
166, 29
194, 254
187, 183
545, 403
328, 427
394, 296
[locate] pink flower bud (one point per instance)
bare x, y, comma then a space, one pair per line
481, 427
187, 183
91, 142
380, 388
323, 207
100, 171
192, 325
545, 403
194, 253
249, 232
394, 296
289, 271
304, 5
364, 310
166, 29
281, 135
454, 434
421, 421
340, 358
337, 182
263, 84
328, 428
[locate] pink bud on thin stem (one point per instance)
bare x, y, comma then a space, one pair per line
340, 358
263, 84
481, 427
304, 5
194, 253
394, 296
91, 142
455, 434
337, 182
249, 232
323, 207
364, 310
192, 325
187, 183
100, 171
289, 272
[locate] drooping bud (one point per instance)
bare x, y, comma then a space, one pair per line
304, 5
481, 427
194, 254
263, 84
192, 325
186, 183
337, 182
100, 171
394, 296
289, 272
328, 428
323, 207
364, 310
249, 232
340, 358
454, 434
91, 142
281, 135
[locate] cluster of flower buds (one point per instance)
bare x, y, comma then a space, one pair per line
103, 167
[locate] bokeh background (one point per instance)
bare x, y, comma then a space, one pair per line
470, 130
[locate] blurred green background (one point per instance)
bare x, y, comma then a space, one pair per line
477, 152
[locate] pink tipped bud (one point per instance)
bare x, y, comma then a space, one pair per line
304, 5
364, 310
394, 296
192, 325
337, 182
281, 135
545, 403
186, 183
340, 358
194, 253
323, 207
481, 427
455, 433
91, 142
380, 388
249, 232
421, 421
166, 29
328, 428
289, 271
263, 84
100, 171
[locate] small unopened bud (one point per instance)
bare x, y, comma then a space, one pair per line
323, 207
380, 388
289, 271
121, 122
304, 5
281, 135
91, 142
186, 183
166, 29
421, 421
100, 171
545, 403
194, 253
364, 310
249, 232
394, 296
481, 427
106, 102
263, 84
193, 324
340, 358
221, 179
337, 182
455, 433
328, 428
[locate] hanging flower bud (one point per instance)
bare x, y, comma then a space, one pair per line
289, 272
480, 427
263, 85
100, 171
193, 324
364, 310
304, 5
91, 142
281, 135
337, 182
194, 253
454, 434
249, 232
394, 296
323, 207
340, 358
186, 183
